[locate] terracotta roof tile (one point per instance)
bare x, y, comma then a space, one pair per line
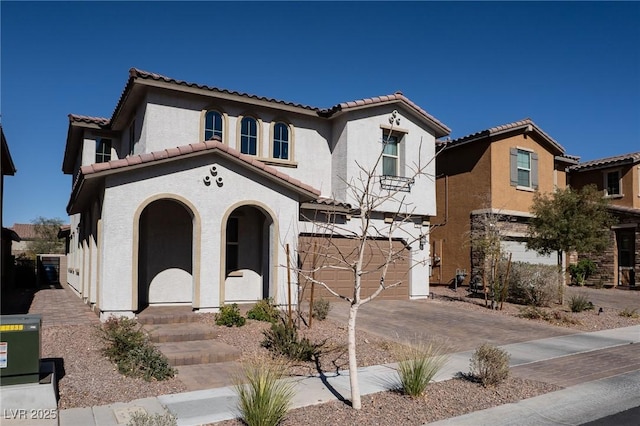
135, 73
180, 151
633, 157
520, 124
25, 231
100, 121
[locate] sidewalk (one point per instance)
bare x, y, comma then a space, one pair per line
591, 398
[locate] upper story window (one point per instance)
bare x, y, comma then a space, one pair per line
103, 150
249, 136
281, 141
212, 125
524, 169
612, 184
390, 157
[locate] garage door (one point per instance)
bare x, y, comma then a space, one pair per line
325, 253
519, 252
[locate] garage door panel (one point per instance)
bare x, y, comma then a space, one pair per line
341, 280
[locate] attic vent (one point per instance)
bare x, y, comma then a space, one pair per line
396, 183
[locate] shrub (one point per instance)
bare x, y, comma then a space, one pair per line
264, 398
144, 419
229, 316
282, 339
629, 313
321, 308
534, 312
264, 310
128, 346
417, 364
490, 365
579, 303
535, 285
582, 270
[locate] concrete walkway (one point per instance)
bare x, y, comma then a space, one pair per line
587, 399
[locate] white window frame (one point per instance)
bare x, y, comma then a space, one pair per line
105, 157
605, 183
387, 156
529, 170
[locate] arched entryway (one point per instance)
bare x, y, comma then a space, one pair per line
249, 255
165, 254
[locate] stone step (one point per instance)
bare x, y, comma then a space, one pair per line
180, 332
207, 376
198, 352
167, 315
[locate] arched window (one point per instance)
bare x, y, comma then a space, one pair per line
212, 125
249, 136
281, 141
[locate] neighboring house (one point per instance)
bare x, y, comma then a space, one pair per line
8, 236
189, 194
491, 175
618, 178
27, 234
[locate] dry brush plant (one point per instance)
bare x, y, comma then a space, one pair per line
418, 363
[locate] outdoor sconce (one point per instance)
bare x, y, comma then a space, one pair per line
423, 241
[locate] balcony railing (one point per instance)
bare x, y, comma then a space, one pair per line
396, 183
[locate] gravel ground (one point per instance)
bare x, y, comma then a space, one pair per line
91, 379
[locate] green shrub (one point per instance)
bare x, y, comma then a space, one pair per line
282, 339
535, 285
320, 309
579, 303
582, 270
265, 398
128, 346
629, 313
264, 310
490, 365
144, 419
229, 316
417, 364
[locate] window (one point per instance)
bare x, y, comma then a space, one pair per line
249, 136
212, 125
390, 156
232, 245
103, 150
612, 183
132, 137
281, 141
524, 168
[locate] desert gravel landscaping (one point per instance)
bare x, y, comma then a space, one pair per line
90, 379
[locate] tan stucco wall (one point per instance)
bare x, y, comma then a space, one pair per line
630, 183
468, 172
507, 197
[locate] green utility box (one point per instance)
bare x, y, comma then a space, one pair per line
19, 349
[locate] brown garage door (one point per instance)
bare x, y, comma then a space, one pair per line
331, 269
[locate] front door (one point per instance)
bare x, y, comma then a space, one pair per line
626, 257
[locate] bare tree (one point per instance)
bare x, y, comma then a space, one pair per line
374, 232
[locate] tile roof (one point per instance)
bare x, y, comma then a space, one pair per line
190, 150
516, 125
397, 96
323, 112
632, 158
100, 121
26, 231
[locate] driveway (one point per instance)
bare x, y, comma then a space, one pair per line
464, 329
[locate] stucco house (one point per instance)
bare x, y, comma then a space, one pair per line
618, 177
8, 236
492, 173
189, 194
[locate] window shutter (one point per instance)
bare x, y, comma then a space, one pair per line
514, 166
534, 170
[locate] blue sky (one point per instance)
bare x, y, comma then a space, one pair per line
574, 68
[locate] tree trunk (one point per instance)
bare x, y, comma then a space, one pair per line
564, 277
353, 363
